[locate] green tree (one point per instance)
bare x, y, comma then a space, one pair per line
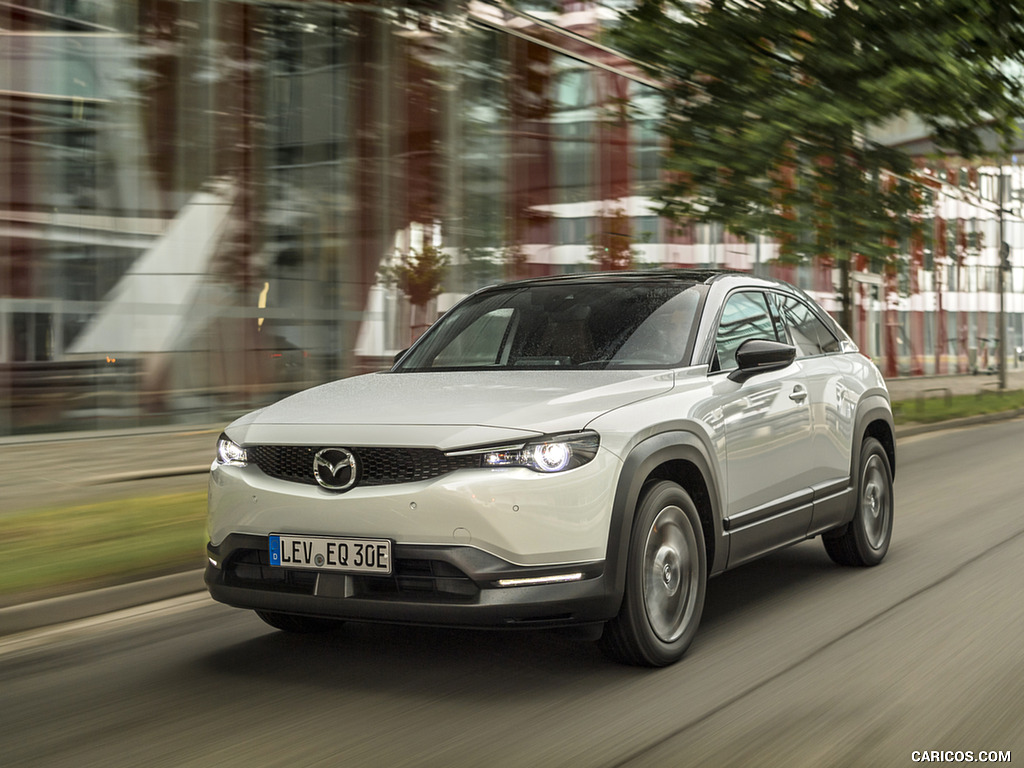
770, 107
611, 247
419, 275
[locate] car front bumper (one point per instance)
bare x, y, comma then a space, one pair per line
430, 585
515, 514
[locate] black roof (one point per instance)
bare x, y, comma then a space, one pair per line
686, 275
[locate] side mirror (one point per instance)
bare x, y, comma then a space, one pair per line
756, 356
399, 356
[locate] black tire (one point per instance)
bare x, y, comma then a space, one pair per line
300, 625
666, 577
864, 541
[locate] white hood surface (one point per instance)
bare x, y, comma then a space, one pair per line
446, 409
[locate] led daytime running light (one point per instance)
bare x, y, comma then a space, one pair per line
505, 457
526, 582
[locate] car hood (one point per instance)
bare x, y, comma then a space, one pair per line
447, 410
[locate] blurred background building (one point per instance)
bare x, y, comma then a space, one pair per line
208, 204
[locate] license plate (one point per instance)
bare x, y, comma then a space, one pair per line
330, 554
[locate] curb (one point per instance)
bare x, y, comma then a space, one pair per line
149, 474
58, 610
910, 430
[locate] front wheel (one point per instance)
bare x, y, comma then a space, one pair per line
666, 576
865, 540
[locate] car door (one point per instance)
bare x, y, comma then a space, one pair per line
831, 396
768, 451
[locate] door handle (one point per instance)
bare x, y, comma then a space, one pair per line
799, 394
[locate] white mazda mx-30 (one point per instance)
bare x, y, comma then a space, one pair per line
583, 450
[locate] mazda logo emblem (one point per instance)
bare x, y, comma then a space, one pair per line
335, 469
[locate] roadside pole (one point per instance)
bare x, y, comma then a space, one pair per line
1004, 261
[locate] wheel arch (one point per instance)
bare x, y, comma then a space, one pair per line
859, 541
684, 459
874, 419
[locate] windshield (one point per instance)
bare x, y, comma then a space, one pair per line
563, 326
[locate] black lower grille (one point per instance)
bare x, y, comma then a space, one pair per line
376, 466
251, 567
417, 580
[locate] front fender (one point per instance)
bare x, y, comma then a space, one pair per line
643, 461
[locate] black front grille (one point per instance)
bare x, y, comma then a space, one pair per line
377, 466
416, 580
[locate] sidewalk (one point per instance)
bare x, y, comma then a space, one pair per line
910, 387
81, 468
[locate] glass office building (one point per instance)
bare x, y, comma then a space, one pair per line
205, 204
208, 204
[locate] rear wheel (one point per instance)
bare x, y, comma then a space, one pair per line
666, 575
865, 540
303, 625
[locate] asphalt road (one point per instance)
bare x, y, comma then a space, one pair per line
798, 663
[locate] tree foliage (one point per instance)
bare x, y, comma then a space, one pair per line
611, 247
770, 106
419, 274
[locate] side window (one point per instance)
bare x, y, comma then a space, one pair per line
809, 335
745, 316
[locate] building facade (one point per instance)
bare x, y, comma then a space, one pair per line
208, 204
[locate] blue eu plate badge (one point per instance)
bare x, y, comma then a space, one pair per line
275, 550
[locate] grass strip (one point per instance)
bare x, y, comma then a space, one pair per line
57, 551
929, 410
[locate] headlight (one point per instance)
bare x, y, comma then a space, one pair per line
554, 453
230, 453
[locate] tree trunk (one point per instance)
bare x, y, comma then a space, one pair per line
846, 293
